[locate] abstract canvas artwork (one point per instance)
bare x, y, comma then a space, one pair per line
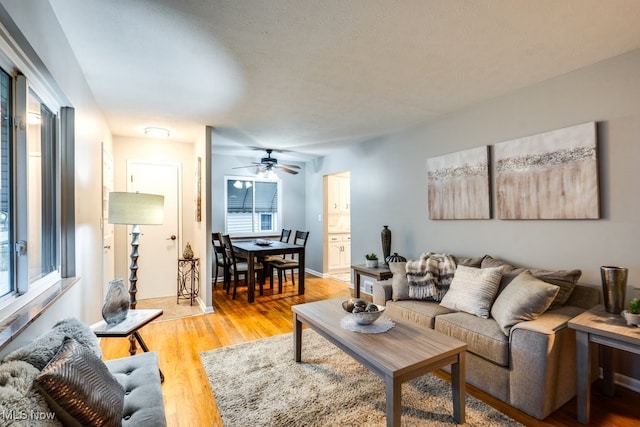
552, 175
458, 185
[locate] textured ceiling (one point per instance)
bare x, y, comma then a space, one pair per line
311, 75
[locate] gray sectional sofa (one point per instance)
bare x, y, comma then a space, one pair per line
529, 364
60, 379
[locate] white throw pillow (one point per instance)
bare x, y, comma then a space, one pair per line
473, 290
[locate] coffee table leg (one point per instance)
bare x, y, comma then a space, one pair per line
394, 401
297, 338
458, 389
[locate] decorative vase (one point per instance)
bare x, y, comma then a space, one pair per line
385, 235
632, 319
188, 252
395, 258
614, 287
116, 302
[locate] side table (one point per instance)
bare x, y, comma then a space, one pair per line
379, 273
129, 327
609, 331
188, 279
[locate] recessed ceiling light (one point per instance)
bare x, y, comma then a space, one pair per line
157, 132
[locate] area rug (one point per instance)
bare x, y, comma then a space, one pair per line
259, 384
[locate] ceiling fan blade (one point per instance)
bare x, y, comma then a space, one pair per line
244, 167
286, 169
291, 166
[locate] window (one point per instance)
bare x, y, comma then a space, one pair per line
6, 279
30, 227
252, 206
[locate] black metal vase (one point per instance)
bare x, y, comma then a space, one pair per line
385, 235
614, 287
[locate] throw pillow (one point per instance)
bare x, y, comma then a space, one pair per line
565, 279
472, 290
525, 298
80, 389
399, 284
40, 351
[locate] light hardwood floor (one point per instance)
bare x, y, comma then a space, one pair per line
188, 399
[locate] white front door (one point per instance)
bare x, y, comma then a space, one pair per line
158, 250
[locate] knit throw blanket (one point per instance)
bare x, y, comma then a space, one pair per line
430, 276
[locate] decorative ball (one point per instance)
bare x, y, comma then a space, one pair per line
395, 258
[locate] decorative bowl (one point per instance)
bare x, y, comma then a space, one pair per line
363, 317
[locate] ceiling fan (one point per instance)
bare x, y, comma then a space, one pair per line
270, 163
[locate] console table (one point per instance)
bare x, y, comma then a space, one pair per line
379, 273
609, 331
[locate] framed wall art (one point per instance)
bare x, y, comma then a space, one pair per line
458, 185
552, 175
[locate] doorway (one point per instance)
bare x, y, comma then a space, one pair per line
337, 225
159, 244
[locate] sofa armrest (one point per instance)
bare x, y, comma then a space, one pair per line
382, 291
543, 357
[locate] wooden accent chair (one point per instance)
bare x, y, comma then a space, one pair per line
300, 238
238, 267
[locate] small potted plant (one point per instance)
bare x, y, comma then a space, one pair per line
371, 260
632, 316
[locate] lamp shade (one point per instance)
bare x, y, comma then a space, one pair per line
136, 208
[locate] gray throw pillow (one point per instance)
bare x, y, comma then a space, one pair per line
399, 284
525, 298
472, 290
565, 279
41, 350
80, 389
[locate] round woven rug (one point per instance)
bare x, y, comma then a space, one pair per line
259, 384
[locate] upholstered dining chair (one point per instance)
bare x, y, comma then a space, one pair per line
220, 261
238, 267
300, 238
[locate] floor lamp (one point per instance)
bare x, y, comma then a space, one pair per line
135, 209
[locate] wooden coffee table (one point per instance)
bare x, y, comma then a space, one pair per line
403, 353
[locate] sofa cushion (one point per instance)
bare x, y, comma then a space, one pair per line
484, 337
566, 280
525, 298
420, 312
139, 375
472, 290
80, 389
41, 350
399, 284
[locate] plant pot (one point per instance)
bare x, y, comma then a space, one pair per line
371, 263
632, 319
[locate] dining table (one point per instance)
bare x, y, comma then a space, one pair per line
251, 249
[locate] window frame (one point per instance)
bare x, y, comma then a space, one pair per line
276, 219
28, 81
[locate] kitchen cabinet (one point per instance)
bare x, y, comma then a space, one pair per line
339, 253
339, 194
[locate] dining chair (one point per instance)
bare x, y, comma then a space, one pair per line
268, 259
221, 261
239, 267
292, 264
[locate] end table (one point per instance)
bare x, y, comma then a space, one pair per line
129, 327
379, 273
188, 279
